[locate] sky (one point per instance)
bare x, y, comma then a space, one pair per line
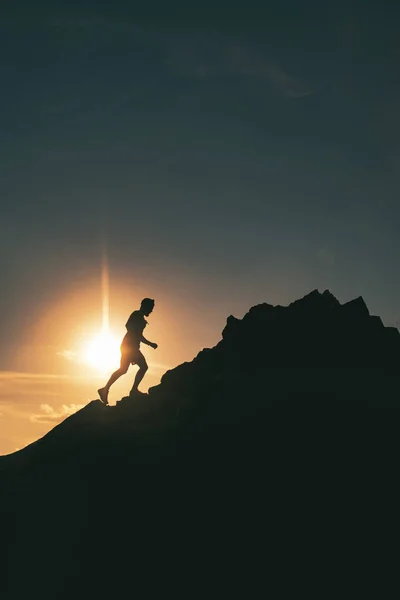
211, 160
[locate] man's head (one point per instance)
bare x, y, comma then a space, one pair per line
147, 306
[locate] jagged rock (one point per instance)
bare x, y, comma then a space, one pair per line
230, 328
392, 333
355, 309
376, 323
316, 302
315, 331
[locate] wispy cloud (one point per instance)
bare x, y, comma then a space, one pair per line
246, 61
74, 357
155, 367
32, 403
49, 414
14, 385
22, 392
207, 58
17, 375
68, 355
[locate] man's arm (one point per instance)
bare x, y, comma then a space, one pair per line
152, 344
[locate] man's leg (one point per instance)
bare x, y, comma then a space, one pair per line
103, 392
142, 364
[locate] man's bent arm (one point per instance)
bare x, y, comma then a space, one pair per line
143, 339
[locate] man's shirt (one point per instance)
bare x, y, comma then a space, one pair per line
135, 326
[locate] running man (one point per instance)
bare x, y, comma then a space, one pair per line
130, 349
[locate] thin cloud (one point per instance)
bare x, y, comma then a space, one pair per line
73, 357
49, 414
21, 392
17, 375
158, 367
20, 378
211, 57
68, 355
247, 62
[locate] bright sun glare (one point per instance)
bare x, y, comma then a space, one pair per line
102, 352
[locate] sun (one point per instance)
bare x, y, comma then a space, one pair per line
102, 352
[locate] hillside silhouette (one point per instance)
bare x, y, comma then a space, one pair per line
130, 497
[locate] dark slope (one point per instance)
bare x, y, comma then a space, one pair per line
313, 352
123, 499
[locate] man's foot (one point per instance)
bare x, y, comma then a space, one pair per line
103, 393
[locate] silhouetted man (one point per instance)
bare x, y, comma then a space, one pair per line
130, 349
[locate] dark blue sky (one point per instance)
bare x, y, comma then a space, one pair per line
226, 158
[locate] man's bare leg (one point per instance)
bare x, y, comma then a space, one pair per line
103, 392
139, 376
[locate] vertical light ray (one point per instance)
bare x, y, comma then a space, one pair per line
102, 352
105, 291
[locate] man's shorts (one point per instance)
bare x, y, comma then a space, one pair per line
131, 354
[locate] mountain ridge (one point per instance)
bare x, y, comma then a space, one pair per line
314, 339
